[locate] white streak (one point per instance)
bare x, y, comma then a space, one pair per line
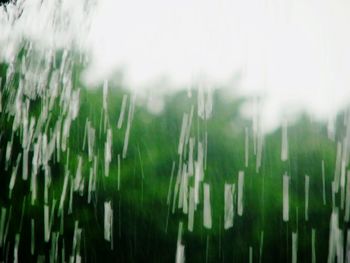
207, 221
307, 186
47, 182
209, 104
15, 249
323, 184
205, 149
105, 94
342, 184
91, 140
347, 202
294, 247
8, 152
176, 190
128, 127
188, 130
191, 210
246, 146
14, 175
122, 111
347, 255
74, 104
200, 103
118, 172
229, 209
190, 157
86, 128
77, 178
170, 183
32, 237
286, 198
261, 245
337, 168
333, 195
90, 184
183, 133
108, 220
180, 254
284, 150
25, 165
64, 191
260, 141
180, 249
240, 193
71, 189
250, 254
108, 151
183, 190
336, 248
47, 228
331, 128
197, 179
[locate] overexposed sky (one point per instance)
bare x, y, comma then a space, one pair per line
295, 53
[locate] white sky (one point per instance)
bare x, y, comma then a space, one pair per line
296, 53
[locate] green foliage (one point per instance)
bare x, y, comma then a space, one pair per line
142, 231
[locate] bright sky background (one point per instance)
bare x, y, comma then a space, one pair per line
296, 53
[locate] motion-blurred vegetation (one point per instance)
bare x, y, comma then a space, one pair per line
145, 227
